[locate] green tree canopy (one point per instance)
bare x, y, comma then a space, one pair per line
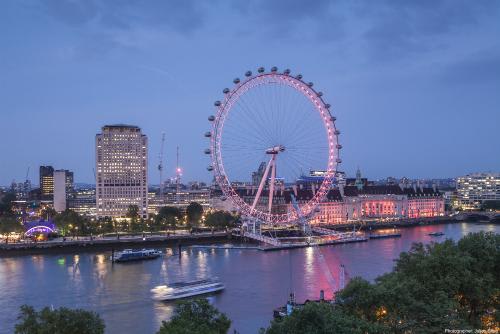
58, 321
220, 219
491, 205
166, 217
10, 224
320, 318
133, 212
196, 317
70, 222
436, 286
6, 203
194, 211
48, 213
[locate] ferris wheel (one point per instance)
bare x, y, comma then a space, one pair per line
270, 130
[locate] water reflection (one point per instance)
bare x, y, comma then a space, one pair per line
256, 282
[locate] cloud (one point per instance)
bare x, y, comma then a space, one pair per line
383, 30
478, 68
181, 16
401, 28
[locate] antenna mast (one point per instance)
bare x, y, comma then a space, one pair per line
177, 178
160, 163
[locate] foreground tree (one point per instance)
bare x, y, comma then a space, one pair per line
322, 318
58, 321
436, 286
196, 317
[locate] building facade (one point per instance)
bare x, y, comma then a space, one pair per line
350, 203
60, 194
121, 171
63, 188
475, 189
47, 181
83, 202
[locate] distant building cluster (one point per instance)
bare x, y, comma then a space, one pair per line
349, 200
121, 171
474, 190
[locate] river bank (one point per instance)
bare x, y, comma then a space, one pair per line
112, 242
109, 243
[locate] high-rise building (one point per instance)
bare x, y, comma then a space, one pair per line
47, 181
69, 181
121, 171
476, 189
60, 193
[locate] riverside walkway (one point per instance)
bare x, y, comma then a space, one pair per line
114, 241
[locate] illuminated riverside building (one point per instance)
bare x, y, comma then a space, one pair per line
361, 201
121, 171
475, 189
179, 199
379, 203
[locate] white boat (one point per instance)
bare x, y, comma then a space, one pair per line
186, 289
135, 254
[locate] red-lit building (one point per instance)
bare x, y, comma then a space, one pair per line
353, 203
360, 202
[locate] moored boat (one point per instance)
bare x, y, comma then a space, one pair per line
436, 234
180, 290
135, 254
384, 235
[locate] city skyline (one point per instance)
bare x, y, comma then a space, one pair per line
409, 99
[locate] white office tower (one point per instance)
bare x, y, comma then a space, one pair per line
121, 171
60, 190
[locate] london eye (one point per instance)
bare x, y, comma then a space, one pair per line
270, 129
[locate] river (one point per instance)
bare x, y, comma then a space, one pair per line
256, 282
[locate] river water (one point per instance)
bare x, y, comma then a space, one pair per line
256, 282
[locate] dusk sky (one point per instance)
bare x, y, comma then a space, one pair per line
415, 85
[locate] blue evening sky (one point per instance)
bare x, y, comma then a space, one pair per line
415, 85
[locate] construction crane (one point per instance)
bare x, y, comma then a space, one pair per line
160, 163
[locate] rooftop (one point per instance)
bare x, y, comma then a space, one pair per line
120, 126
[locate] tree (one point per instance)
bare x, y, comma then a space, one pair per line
48, 213
220, 219
196, 317
6, 204
133, 212
194, 212
70, 222
316, 318
10, 224
490, 205
58, 321
436, 286
138, 225
168, 216
106, 225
